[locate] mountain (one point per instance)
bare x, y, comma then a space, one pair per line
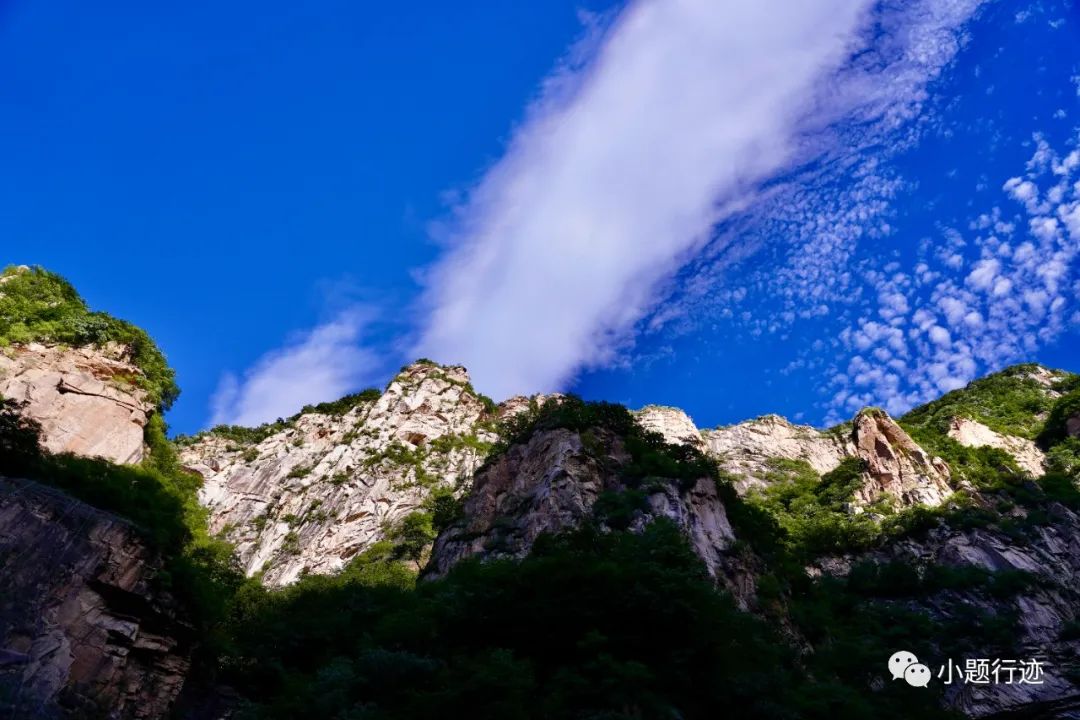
422, 551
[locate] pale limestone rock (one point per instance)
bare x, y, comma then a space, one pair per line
312, 496
745, 450
80, 612
896, 465
673, 424
519, 404
1027, 454
84, 398
1045, 377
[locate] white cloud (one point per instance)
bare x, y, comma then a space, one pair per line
984, 273
608, 187
322, 364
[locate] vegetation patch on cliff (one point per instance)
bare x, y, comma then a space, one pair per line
1011, 402
38, 305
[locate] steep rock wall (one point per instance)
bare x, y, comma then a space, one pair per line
895, 464
744, 450
84, 398
1046, 609
553, 481
83, 631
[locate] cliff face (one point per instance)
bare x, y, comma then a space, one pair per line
1044, 611
560, 478
84, 398
311, 495
896, 467
83, 631
83, 628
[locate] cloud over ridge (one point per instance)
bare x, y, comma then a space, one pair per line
686, 107
321, 364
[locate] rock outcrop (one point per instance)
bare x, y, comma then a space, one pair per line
553, 481
674, 425
895, 465
85, 398
311, 495
83, 631
745, 449
972, 433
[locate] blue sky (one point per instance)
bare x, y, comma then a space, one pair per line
728, 208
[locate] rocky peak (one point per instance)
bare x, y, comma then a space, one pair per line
86, 399
744, 450
519, 404
1047, 377
895, 464
308, 494
674, 425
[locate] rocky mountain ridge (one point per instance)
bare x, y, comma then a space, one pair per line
311, 495
314, 492
959, 517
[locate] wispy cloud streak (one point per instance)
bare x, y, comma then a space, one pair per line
686, 107
322, 364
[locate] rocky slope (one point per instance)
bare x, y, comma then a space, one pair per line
560, 478
1041, 615
972, 433
83, 631
895, 466
553, 481
84, 398
309, 495
930, 495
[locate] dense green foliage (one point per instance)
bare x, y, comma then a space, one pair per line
1066, 407
37, 305
343, 405
1010, 402
246, 436
590, 625
239, 434
811, 511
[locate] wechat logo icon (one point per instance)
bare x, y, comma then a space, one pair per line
904, 665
